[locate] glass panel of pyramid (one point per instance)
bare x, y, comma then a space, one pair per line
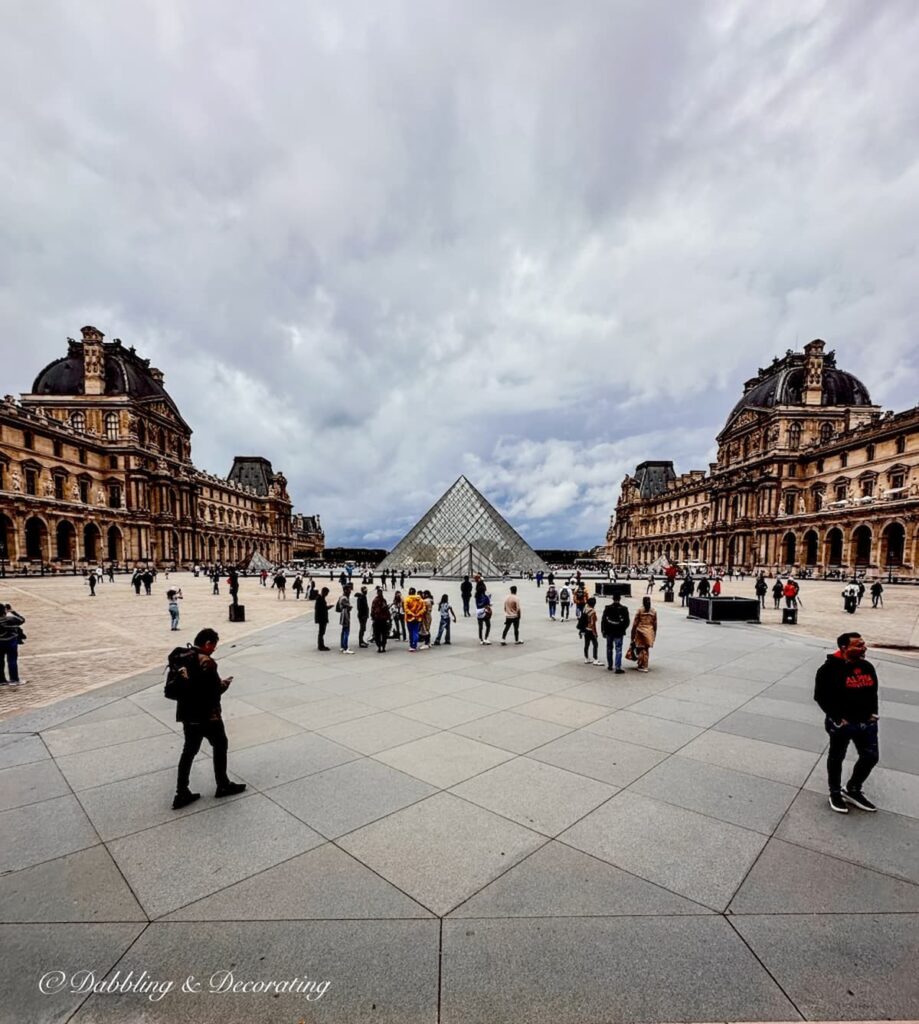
463, 534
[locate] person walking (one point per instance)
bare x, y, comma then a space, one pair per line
11, 636
511, 617
846, 689
148, 582
428, 618
761, 588
297, 586
111, 572
716, 588
343, 607
552, 600
321, 617
263, 577
362, 606
483, 616
280, 582
466, 595
613, 624
215, 579
850, 598
414, 609
704, 588
380, 618
398, 617
580, 600
173, 597
778, 591
877, 590
200, 713
92, 583
136, 581
446, 613
587, 622
564, 602
644, 633
791, 590
860, 585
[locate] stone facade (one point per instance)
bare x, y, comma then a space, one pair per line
95, 466
809, 474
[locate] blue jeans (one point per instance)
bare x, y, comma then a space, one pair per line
9, 655
613, 642
865, 737
444, 628
414, 628
175, 619
551, 609
345, 636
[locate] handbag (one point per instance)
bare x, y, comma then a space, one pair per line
630, 653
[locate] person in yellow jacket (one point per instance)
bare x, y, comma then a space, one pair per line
415, 608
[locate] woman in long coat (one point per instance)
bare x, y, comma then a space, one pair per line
644, 633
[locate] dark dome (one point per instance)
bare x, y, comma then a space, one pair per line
783, 384
125, 374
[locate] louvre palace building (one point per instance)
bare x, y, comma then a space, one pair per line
810, 475
95, 466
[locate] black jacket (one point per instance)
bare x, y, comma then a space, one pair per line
466, 588
362, 607
200, 700
846, 689
615, 620
321, 611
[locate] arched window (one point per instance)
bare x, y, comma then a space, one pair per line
111, 426
826, 433
78, 420
794, 435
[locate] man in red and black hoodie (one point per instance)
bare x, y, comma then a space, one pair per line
846, 688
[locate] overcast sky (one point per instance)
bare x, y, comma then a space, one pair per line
384, 244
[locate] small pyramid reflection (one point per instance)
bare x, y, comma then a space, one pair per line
463, 533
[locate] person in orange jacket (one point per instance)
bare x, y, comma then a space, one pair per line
414, 608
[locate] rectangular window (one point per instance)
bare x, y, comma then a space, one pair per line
790, 498
819, 465
83, 456
84, 491
842, 491
897, 481
28, 441
114, 496
792, 470
867, 488
58, 449
844, 460
59, 487
31, 482
113, 461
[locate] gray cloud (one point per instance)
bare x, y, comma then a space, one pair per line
536, 244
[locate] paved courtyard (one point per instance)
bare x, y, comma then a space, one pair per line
468, 834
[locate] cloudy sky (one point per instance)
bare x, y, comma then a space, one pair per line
384, 244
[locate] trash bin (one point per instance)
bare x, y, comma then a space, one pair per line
668, 597
237, 613
789, 616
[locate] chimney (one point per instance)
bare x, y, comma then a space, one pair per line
813, 372
156, 374
93, 362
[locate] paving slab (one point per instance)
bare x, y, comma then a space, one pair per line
29, 783
380, 970
272, 764
123, 761
351, 795
43, 832
599, 757
539, 796
645, 730
767, 760
841, 966
557, 881
510, 731
31, 951
22, 750
215, 848
691, 712
775, 730
690, 854
72, 739
82, 886
377, 732
444, 712
441, 850
500, 696
563, 710
443, 759
888, 789
322, 884
575, 970
788, 879
328, 711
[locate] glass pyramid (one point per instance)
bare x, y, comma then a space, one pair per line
462, 534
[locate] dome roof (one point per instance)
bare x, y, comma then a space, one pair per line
125, 373
783, 383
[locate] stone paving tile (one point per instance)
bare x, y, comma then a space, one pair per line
793, 710
563, 711
607, 695
888, 789
328, 711
323, 884
510, 731
73, 739
574, 970
557, 881
500, 696
670, 846
376, 733
273, 764
715, 696
899, 749
42, 832
444, 712
123, 760
386, 970
882, 841
252, 730
645, 730
215, 848
29, 783
841, 966
441, 850
443, 759
82, 886
731, 796
22, 750
691, 712
599, 757
288, 697
539, 796
789, 879
394, 695
767, 760
775, 730
32, 950
349, 796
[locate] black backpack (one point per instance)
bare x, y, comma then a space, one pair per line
181, 666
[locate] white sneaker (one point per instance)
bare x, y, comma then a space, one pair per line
481, 643
425, 647
487, 643
347, 652
596, 662
518, 643
587, 661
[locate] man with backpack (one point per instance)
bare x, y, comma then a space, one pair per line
613, 625
192, 680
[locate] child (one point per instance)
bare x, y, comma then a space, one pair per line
173, 597
446, 613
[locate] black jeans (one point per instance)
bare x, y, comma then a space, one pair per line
865, 737
380, 633
509, 624
484, 627
362, 629
320, 640
216, 735
466, 607
590, 640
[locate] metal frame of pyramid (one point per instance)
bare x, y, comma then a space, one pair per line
462, 533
